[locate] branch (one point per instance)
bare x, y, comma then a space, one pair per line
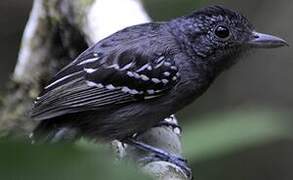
59, 30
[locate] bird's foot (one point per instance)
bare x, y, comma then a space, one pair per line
159, 154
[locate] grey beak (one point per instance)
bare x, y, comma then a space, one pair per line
260, 40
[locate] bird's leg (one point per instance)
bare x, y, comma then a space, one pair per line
160, 154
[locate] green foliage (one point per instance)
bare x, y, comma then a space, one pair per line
166, 9
220, 134
35, 162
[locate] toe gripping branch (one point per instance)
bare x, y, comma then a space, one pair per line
156, 149
162, 155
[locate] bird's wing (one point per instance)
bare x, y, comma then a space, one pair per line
96, 80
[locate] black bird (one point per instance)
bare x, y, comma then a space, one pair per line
131, 80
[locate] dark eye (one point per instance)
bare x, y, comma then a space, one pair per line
222, 32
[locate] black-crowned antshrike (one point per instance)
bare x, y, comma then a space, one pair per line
131, 80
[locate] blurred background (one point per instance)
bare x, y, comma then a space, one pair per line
241, 128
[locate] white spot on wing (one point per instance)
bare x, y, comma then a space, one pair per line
155, 80
89, 70
88, 61
173, 67
151, 91
160, 64
201, 54
130, 74
144, 77
150, 97
125, 89
133, 91
115, 66
100, 85
143, 68
165, 81
110, 87
137, 76
167, 64
91, 84
127, 66
61, 79
167, 73
161, 58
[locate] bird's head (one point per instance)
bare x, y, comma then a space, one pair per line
219, 35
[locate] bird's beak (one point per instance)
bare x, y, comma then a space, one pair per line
260, 40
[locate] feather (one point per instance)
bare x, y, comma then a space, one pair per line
98, 80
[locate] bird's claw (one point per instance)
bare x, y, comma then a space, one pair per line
160, 155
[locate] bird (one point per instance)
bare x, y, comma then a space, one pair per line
136, 77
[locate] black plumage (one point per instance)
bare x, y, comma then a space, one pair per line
131, 80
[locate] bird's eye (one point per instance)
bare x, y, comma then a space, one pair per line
222, 32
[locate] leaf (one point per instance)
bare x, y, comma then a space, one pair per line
223, 133
64, 162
